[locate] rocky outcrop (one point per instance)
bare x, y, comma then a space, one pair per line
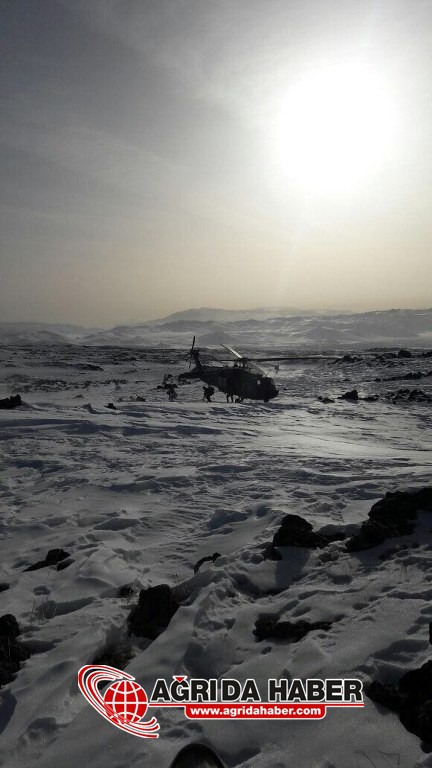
394, 515
408, 396
56, 557
11, 402
155, 609
295, 531
411, 699
12, 652
271, 627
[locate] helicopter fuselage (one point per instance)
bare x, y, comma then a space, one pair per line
237, 380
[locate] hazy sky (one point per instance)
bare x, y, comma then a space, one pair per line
163, 154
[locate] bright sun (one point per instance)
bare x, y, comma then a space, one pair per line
334, 129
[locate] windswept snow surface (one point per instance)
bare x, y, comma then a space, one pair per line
137, 495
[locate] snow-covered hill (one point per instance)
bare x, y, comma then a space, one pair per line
244, 329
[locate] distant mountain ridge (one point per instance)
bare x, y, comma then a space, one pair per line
262, 313
260, 328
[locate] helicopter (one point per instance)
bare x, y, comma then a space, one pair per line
243, 379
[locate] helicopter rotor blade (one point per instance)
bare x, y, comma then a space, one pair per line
298, 358
233, 352
191, 351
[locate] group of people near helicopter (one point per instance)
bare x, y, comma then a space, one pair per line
170, 387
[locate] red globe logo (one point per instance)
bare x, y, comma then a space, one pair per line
125, 702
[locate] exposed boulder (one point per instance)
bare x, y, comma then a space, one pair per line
12, 652
386, 695
408, 396
295, 531
411, 698
54, 557
351, 395
11, 402
394, 515
155, 609
270, 627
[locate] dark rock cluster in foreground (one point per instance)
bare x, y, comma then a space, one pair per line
154, 611
394, 515
411, 699
12, 652
297, 532
7, 403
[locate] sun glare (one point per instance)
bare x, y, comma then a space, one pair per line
334, 129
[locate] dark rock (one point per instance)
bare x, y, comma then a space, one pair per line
271, 553
371, 398
9, 626
351, 395
286, 630
11, 402
65, 564
417, 718
395, 508
295, 524
297, 532
370, 535
53, 557
412, 699
417, 683
408, 396
4, 586
155, 609
404, 353
126, 590
112, 406
394, 515
326, 400
386, 695
12, 653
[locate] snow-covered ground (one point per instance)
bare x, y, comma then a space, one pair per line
137, 495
